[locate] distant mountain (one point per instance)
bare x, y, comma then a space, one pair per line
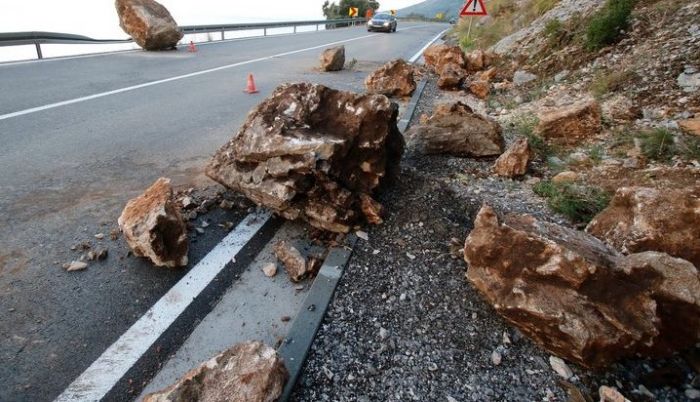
429, 8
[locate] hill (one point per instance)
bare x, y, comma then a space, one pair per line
429, 8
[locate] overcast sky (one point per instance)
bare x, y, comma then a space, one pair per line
98, 18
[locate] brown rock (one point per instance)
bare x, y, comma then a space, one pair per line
333, 59
475, 60
153, 226
578, 298
451, 76
488, 74
690, 126
148, 23
456, 130
248, 372
308, 152
395, 78
514, 161
567, 176
480, 88
570, 124
294, 263
621, 109
609, 394
647, 219
372, 210
437, 56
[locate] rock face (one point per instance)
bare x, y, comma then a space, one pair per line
515, 160
148, 23
153, 226
395, 78
578, 298
647, 219
571, 124
456, 130
310, 152
248, 372
333, 59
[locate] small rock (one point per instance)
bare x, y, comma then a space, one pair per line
609, 394
75, 266
410, 256
692, 393
333, 59
187, 203
285, 318
99, 236
383, 333
496, 358
226, 204
560, 367
362, 235
270, 269
294, 263
523, 77
565, 177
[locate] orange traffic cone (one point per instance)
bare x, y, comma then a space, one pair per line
250, 88
192, 48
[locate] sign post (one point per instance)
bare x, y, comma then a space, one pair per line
472, 8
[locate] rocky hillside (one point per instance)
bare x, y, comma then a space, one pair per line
430, 8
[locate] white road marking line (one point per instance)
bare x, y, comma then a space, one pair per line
420, 52
179, 77
113, 364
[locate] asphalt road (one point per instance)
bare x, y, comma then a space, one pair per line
68, 168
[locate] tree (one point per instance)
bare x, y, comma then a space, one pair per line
335, 10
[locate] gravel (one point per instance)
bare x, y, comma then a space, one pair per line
405, 325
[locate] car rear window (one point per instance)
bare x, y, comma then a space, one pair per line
381, 17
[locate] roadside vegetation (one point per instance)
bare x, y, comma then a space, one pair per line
335, 10
579, 203
606, 26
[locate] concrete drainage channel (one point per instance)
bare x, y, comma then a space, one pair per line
237, 302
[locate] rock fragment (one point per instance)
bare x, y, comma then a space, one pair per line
609, 394
333, 59
570, 124
480, 88
647, 219
270, 269
451, 76
395, 78
247, 372
153, 226
449, 63
515, 160
310, 152
75, 266
455, 129
566, 176
690, 126
148, 23
560, 367
294, 263
578, 298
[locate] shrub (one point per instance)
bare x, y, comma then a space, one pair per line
540, 7
525, 125
553, 30
577, 202
658, 144
605, 26
610, 81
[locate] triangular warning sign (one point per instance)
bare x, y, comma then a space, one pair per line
474, 7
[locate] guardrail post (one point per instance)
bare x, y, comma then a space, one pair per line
295, 29
222, 34
264, 31
38, 50
317, 27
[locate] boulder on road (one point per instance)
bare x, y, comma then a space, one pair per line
310, 152
514, 161
455, 129
247, 372
578, 298
570, 124
438, 56
333, 59
648, 219
154, 228
292, 260
148, 23
395, 78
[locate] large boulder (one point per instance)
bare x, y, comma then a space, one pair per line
515, 160
455, 129
451, 77
148, 23
395, 78
570, 124
438, 56
314, 153
333, 59
578, 298
647, 219
154, 228
247, 372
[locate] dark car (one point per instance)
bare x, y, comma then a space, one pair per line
382, 22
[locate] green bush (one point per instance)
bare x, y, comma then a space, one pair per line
577, 202
605, 26
658, 144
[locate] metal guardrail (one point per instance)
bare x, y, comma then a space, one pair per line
37, 38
